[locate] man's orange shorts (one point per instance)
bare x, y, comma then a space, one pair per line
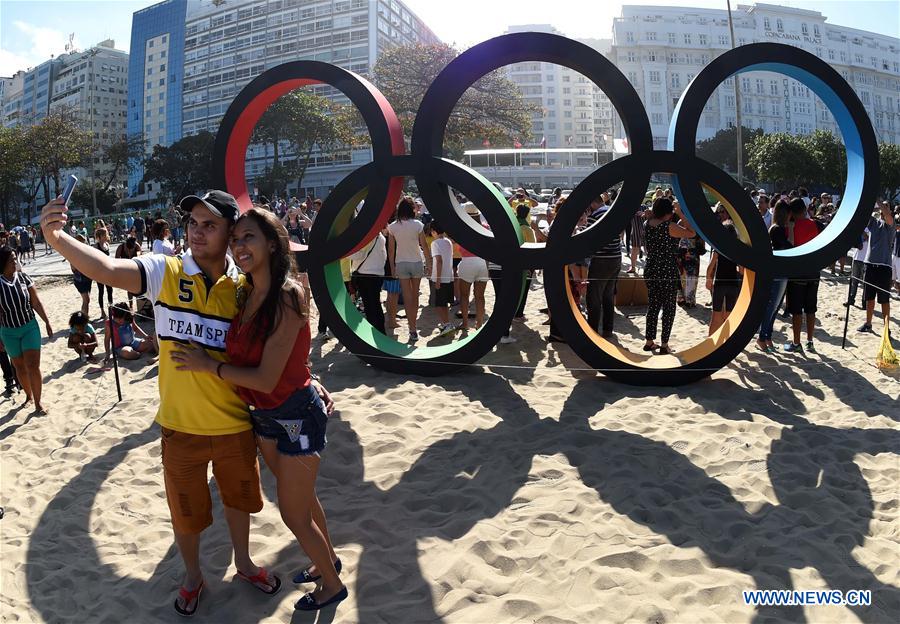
186, 458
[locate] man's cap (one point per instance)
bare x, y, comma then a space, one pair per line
470, 209
219, 203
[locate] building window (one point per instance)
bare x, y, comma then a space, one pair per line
816, 30
629, 37
651, 36
830, 55
804, 28
676, 81
779, 25
703, 40
656, 98
654, 76
766, 24
651, 56
773, 87
687, 38
630, 57
672, 38
745, 84
759, 86
658, 119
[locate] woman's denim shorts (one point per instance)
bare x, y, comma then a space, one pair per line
297, 425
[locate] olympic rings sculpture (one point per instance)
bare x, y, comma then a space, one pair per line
339, 232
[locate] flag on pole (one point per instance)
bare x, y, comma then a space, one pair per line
543, 142
620, 146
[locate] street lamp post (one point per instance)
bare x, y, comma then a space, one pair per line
737, 103
92, 54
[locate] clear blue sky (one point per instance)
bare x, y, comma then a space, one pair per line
32, 30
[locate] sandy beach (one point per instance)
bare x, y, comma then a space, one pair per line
526, 489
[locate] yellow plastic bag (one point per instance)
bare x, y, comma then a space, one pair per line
887, 357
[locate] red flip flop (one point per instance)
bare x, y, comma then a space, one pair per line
263, 581
189, 596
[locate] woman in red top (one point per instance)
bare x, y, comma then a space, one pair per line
268, 350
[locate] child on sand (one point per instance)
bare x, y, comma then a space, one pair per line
128, 339
442, 277
82, 337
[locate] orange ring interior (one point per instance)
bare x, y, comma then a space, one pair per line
698, 351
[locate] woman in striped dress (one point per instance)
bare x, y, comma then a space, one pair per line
18, 328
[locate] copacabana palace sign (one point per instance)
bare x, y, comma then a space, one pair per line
793, 37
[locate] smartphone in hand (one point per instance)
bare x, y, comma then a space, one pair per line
70, 186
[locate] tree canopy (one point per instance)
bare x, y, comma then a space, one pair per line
182, 168
720, 149
306, 122
818, 159
493, 109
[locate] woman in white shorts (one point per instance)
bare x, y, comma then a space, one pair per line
471, 270
407, 260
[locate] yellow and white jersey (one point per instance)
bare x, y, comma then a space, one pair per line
189, 308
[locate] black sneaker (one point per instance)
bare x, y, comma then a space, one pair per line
864, 328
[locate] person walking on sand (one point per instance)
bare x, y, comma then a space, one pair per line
19, 329
268, 349
195, 297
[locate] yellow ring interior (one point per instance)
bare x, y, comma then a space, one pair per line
698, 351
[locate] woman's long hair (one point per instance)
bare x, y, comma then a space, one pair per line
281, 265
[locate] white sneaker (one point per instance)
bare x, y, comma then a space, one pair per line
507, 340
444, 329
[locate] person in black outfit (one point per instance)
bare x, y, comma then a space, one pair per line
723, 279
603, 274
661, 272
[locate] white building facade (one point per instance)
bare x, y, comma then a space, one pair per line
661, 49
94, 85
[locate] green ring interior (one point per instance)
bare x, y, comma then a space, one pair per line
358, 324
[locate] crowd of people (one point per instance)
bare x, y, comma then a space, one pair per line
231, 309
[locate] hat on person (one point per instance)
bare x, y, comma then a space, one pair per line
219, 203
471, 209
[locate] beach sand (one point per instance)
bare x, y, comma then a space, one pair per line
523, 490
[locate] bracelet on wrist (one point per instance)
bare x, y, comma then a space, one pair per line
219, 369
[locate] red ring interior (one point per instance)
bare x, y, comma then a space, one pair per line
239, 140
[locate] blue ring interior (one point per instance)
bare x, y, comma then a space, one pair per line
852, 141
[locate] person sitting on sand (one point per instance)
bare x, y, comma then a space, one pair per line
268, 350
124, 335
82, 337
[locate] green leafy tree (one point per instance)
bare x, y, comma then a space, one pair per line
14, 165
784, 159
82, 197
307, 122
59, 143
720, 149
121, 158
889, 164
830, 156
182, 168
493, 109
